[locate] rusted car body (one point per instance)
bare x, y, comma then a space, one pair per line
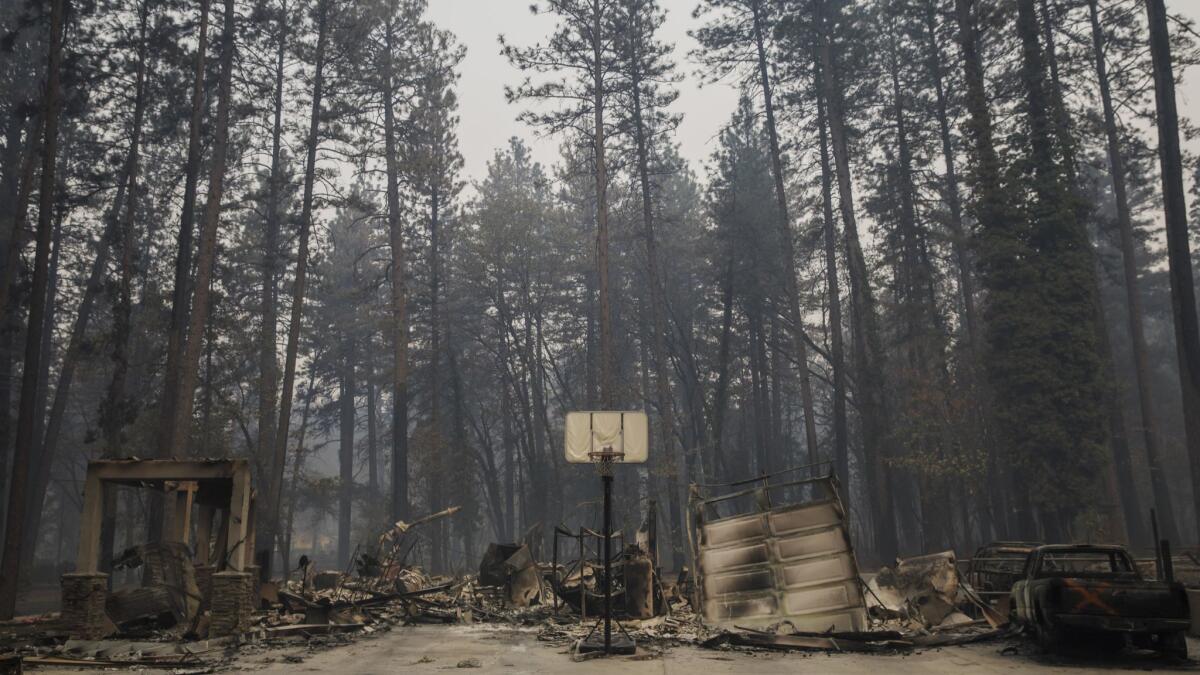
1073, 590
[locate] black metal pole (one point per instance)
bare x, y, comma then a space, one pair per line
554, 571
608, 481
582, 587
1158, 561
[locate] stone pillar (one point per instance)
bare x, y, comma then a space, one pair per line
83, 598
255, 585
231, 608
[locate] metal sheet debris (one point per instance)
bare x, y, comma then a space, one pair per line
792, 562
512, 567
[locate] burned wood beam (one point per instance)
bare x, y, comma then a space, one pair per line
144, 470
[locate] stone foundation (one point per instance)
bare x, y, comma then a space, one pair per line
83, 598
231, 607
255, 585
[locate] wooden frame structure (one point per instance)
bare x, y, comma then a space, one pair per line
212, 485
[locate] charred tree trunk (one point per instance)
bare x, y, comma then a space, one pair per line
26, 444
9, 318
1063, 262
837, 350
74, 349
960, 245
115, 409
673, 462
1117, 438
607, 393
951, 190
868, 346
182, 293
206, 388
17, 180
489, 472
400, 502
300, 283
297, 466
762, 458
510, 465
719, 467
372, 423
779, 445
20, 211
465, 525
1183, 290
528, 395
346, 449
10, 175
990, 210
799, 342
33, 507
439, 465
922, 338
1124, 467
268, 365
206, 257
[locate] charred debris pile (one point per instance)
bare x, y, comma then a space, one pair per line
773, 565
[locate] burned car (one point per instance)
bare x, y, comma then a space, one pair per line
994, 569
1078, 590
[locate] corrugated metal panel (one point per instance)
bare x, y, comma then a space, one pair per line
790, 563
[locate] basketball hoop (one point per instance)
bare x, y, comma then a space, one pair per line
605, 459
605, 439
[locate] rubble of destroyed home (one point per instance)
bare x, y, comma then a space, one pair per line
773, 569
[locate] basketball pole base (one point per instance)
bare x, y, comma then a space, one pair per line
619, 644
605, 641
623, 437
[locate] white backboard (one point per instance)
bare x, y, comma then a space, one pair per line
625, 432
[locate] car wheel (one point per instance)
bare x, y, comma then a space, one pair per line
1173, 644
1048, 637
1112, 644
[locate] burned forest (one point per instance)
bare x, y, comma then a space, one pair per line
696, 334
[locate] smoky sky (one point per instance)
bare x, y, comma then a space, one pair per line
488, 121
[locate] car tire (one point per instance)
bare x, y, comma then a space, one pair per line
1173, 644
1049, 638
